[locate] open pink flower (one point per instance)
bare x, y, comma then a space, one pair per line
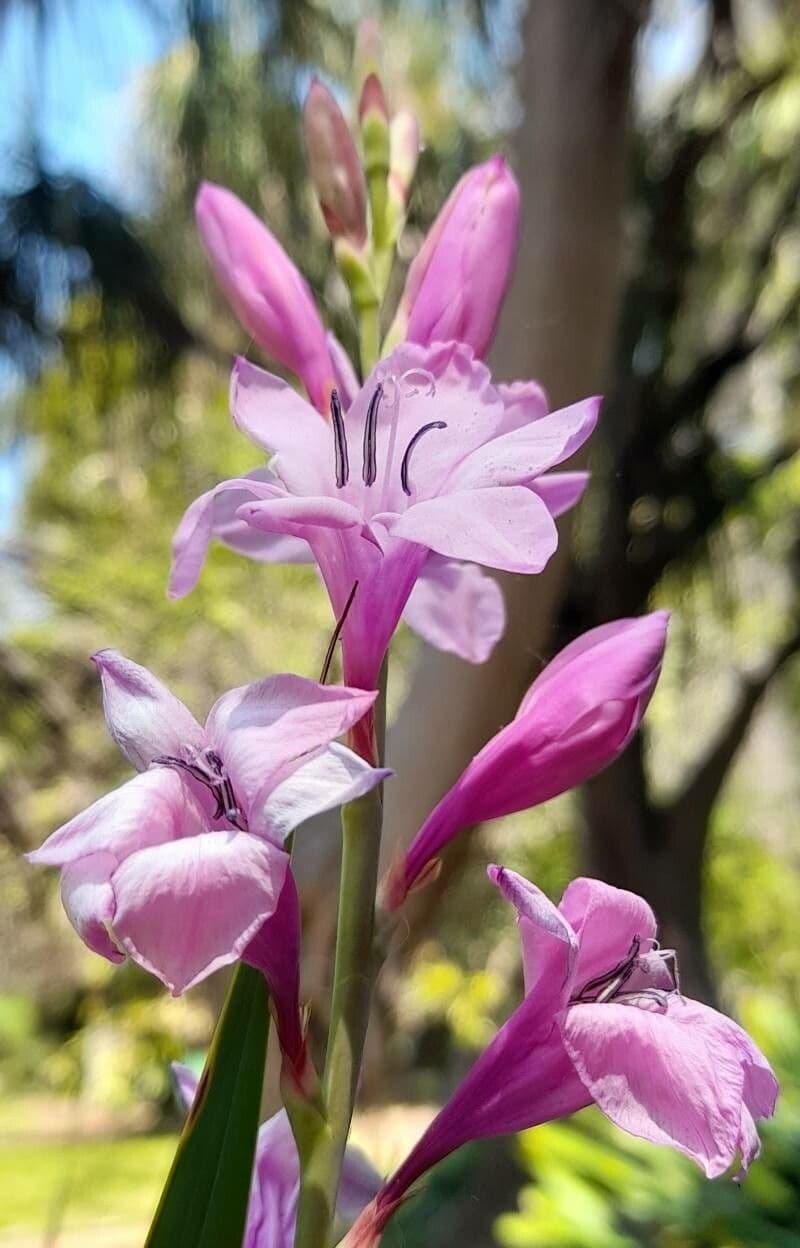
577, 716
430, 457
183, 867
272, 1209
603, 1021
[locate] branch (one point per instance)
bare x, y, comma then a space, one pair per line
691, 811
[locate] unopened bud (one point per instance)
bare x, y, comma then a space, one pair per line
335, 167
373, 99
403, 154
456, 284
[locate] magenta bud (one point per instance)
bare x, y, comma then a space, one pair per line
335, 166
456, 285
266, 291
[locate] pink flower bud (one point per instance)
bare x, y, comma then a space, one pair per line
335, 167
403, 154
265, 289
458, 280
373, 99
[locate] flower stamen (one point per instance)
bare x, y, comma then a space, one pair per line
207, 767
404, 466
340, 442
370, 464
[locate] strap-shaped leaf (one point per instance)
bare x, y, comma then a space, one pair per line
204, 1202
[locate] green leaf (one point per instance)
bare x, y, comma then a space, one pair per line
204, 1202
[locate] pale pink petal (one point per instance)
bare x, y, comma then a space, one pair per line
262, 731
549, 944
295, 516
276, 418
507, 527
186, 908
457, 608
158, 805
522, 455
669, 1076
232, 532
184, 1084
89, 902
192, 536
524, 401
334, 776
560, 491
143, 717
606, 920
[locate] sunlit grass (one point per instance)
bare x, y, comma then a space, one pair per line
53, 1185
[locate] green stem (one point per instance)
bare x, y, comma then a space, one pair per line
369, 337
353, 979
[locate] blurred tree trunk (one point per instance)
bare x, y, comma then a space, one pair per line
558, 326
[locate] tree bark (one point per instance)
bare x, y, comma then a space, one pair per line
558, 325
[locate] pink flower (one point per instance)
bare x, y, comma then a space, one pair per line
272, 1209
577, 716
457, 282
429, 457
183, 867
603, 1021
265, 290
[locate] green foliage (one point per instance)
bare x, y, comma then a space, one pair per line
204, 1202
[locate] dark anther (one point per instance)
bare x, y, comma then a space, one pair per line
326, 665
607, 986
209, 769
339, 442
370, 467
434, 424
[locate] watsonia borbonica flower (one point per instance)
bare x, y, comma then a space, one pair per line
603, 1021
430, 456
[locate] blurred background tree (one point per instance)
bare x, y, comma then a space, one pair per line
660, 264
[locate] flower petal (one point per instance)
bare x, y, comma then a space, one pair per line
188, 907
143, 717
336, 775
193, 534
457, 608
262, 731
619, 659
524, 401
560, 491
276, 418
296, 516
232, 532
88, 899
519, 457
507, 527
158, 805
672, 1077
184, 1084
549, 944
606, 920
